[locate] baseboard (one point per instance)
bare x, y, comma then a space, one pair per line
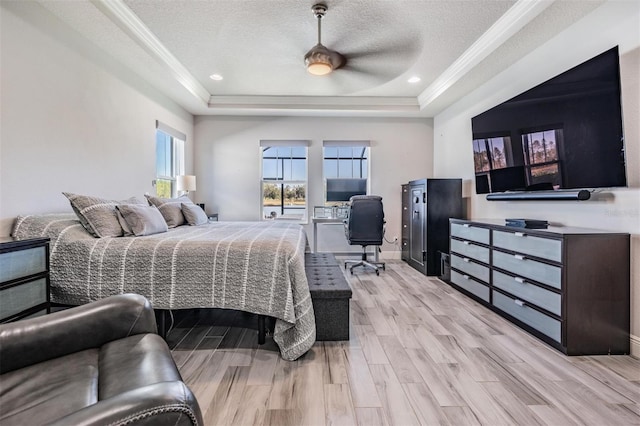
635, 346
390, 255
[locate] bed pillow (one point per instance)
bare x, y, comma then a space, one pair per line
98, 215
143, 220
194, 214
171, 208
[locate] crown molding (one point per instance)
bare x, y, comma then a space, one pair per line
121, 15
514, 19
511, 22
344, 103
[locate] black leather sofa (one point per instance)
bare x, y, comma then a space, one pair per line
98, 364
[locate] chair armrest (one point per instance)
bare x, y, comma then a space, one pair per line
165, 403
34, 340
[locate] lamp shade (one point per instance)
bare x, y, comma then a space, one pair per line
186, 183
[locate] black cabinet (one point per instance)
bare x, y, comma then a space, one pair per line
427, 206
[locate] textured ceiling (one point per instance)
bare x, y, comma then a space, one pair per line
258, 47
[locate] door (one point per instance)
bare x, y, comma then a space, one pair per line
417, 249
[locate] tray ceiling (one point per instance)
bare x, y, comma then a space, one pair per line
258, 47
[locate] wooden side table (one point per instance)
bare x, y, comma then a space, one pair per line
24, 278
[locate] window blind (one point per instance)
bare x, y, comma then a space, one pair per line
170, 131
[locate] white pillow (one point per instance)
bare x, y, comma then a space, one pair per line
98, 215
170, 208
194, 214
143, 220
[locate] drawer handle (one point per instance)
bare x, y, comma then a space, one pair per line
466, 277
466, 259
518, 256
465, 243
520, 280
519, 234
519, 302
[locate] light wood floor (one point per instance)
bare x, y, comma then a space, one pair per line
419, 353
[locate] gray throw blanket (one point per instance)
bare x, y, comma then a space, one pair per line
255, 267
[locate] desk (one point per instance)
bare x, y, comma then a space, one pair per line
316, 221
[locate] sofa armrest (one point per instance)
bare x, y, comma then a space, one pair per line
165, 403
34, 340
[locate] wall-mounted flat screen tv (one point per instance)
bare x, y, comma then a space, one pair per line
342, 189
565, 133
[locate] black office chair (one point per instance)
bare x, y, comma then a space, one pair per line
365, 227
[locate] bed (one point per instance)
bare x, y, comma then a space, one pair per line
255, 267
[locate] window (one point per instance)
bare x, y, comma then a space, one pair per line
284, 180
490, 153
345, 167
541, 157
169, 159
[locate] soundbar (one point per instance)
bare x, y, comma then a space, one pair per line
579, 194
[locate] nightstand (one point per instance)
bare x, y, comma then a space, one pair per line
24, 278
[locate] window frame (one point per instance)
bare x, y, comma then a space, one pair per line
281, 180
337, 144
177, 141
530, 166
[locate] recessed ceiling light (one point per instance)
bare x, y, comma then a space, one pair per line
216, 77
414, 79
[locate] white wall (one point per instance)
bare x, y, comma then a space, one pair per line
615, 23
70, 120
227, 160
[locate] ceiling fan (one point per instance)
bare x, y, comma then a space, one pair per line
320, 60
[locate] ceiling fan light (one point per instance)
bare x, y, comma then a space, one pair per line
318, 60
319, 68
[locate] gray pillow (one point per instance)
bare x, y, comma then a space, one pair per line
194, 214
98, 215
143, 220
171, 208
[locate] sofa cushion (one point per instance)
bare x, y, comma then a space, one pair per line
134, 362
42, 392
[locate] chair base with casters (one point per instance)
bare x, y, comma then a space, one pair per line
364, 263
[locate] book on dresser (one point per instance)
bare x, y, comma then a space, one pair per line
568, 286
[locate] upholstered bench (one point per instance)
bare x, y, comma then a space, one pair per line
330, 294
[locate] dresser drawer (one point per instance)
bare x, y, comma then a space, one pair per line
535, 246
467, 249
528, 268
21, 263
520, 288
468, 267
471, 285
517, 309
18, 298
470, 232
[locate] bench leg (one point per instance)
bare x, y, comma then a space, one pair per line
161, 317
261, 330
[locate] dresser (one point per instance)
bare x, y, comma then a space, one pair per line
24, 278
570, 287
427, 206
